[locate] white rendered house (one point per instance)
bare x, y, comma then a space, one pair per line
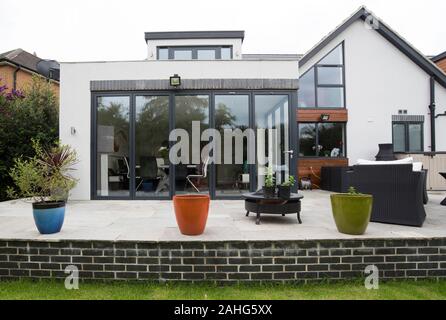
360, 86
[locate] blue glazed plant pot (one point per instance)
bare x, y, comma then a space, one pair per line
49, 216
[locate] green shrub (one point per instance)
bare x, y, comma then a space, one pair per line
290, 182
269, 178
44, 177
32, 114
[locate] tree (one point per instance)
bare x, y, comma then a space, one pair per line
27, 115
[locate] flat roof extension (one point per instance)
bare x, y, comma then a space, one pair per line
235, 34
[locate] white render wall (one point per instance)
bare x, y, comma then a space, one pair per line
235, 43
440, 101
75, 95
379, 81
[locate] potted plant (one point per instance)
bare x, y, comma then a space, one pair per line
285, 188
269, 189
45, 179
191, 212
351, 211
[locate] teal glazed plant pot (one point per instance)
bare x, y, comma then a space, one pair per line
351, 212
49, 216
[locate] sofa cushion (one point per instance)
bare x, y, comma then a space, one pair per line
416, 166
399, 161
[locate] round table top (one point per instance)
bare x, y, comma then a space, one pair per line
443, 174
261, 196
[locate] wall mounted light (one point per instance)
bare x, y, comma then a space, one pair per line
325, 117
175, 80
73, 131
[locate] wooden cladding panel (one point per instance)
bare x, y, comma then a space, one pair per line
442, 64
311, 168
314, 115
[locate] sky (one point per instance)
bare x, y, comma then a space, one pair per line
104, 30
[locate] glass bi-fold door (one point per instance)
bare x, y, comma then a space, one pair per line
131, 146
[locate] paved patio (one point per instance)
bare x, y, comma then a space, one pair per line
155, 221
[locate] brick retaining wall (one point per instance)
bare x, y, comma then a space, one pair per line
224, 261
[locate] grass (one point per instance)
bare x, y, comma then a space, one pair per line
42, 290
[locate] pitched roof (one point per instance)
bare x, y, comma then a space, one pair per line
439, 57
22, 58
384, 30
26, 60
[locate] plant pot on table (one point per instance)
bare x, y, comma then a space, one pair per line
269, 192
284, 192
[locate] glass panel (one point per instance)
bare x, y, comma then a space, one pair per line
206, 54
271, 112
187, 109
329, 75
415, 137
163, 54
226, 53
331, 139
307, 139
306, 94
232, 112
180, 54
399, 137
330, 97
113, 170
151, 146
334, 57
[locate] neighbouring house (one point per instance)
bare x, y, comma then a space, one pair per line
17, 68
360, 86
440, 61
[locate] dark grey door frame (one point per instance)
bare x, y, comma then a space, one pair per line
292, 128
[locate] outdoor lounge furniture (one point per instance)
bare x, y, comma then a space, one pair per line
257, 203
398, 192
334, 179
443, 203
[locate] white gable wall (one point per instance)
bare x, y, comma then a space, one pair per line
440, 123
380, 80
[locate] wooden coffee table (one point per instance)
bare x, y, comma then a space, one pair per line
257, 203
443, 203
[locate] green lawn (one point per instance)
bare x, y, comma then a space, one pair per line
26, 289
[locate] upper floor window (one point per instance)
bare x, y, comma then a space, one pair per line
322, 86
195, 53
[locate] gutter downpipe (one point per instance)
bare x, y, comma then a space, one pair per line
14, 77
432, 113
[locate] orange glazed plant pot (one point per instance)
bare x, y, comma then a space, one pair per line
191, 211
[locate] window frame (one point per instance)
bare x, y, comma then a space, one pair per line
194, 49
407, 136
315, 69
317, 154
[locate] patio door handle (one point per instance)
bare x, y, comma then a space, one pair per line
290, 152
